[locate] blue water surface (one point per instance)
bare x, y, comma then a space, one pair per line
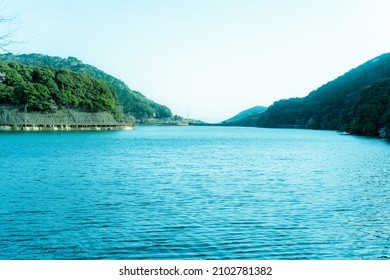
194, 193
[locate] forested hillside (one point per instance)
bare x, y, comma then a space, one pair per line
248, 117
132, 103
49, 89
372, 111
357, 102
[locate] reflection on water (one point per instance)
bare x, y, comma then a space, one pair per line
194, 193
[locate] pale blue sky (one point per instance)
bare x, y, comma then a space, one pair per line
210, 58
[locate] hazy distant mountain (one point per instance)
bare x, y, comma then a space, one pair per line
133, 103
248, 117
356, 102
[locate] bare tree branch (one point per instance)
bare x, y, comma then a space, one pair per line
9, 24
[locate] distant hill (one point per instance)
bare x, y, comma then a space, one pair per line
357, 102
131, 102
248, 117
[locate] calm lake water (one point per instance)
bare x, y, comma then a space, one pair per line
194, 193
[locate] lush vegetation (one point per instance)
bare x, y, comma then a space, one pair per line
45, 89
131, 102
357, 102
372, 111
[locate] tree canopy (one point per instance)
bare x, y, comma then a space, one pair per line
372, 111
46, 88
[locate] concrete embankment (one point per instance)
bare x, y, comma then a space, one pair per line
17, 118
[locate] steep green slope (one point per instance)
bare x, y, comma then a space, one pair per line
132, 102
330, 106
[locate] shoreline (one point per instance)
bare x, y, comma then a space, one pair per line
62, 127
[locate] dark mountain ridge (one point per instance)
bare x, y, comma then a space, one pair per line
340, 104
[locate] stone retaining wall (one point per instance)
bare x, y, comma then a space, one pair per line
17, 118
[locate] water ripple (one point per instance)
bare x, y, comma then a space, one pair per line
194, 193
